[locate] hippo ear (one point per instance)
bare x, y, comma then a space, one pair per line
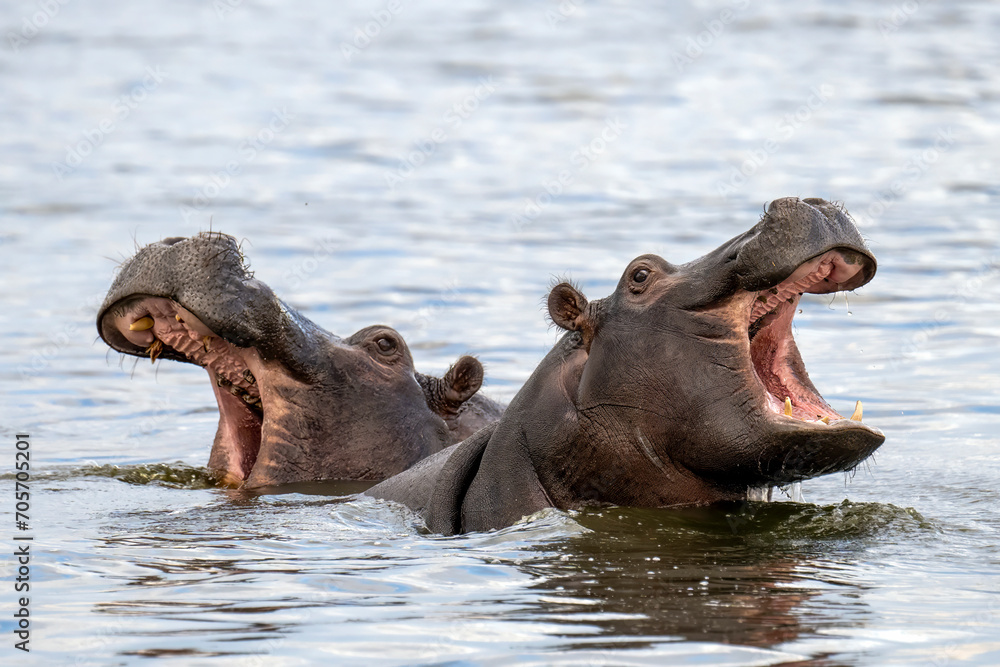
463, 380
568, 307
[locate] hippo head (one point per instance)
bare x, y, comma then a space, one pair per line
296, 403
692, 371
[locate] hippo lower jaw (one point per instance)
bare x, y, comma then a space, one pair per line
238, 377
798, 415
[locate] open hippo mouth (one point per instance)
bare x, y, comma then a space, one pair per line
716, 378
684, 386
776, 361
161, 328
296, 403
789, 432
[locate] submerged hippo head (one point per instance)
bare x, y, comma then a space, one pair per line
683, 386
296, 403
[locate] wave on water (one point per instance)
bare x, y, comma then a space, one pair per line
363, 514
174, 475
755, 522
842, 521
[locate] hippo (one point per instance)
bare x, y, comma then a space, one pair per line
683, 387
296, 403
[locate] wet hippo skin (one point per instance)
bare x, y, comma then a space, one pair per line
684, 386
296, 403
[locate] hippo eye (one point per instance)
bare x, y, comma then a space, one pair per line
640, 275
386, 345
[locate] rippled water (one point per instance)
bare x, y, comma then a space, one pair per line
125, 123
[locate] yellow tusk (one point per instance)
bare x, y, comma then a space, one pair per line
178, 318
207, 342
825, 420
858, 413
788, 406
141, 324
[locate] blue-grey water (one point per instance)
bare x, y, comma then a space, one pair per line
436, 176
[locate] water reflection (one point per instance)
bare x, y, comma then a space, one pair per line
690, 574
625, 581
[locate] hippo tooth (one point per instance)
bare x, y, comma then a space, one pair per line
858, 413
207, 342
248, 376
221, 381
154, 350
141, 324
178, 318
825, 420
788, 406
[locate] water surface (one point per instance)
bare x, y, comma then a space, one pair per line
247, 117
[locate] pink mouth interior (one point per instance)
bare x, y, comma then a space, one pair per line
237, 390
772, 348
